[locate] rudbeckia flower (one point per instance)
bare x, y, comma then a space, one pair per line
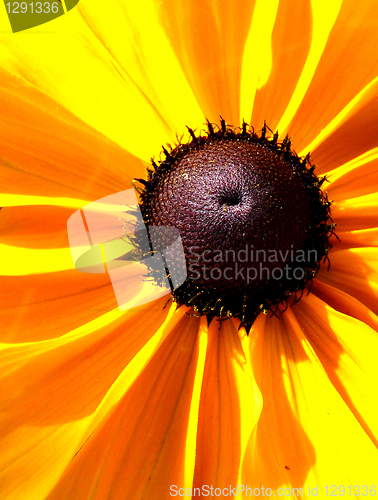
152, 402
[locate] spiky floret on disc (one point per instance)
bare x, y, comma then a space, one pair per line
253, 220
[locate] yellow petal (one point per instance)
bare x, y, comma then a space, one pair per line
141, 52
229, 410
18, 261
347, 350
107, 67
22, 200
257, 64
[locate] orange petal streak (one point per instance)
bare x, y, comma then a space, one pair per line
356, 178
208, 39
43, 306
355, 239
48, 151
35, 226
356, 213
139, 451
355, 271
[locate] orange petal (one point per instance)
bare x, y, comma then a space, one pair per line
366, 95
208, 39
345, 303
39, 307
348, 57
139, 450
356, 178
229, 409
350, 140
35, 226
356, 213
53, 391
324, 17
354, 271
358, 238
48, 151
300, 438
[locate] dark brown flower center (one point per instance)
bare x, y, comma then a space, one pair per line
253, 221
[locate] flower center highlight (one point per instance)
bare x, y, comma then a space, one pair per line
253, 220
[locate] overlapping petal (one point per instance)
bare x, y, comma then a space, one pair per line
208, 39
151, 424
351, 139
355, 271
54, 391
347, 65
345, 303
346, 347
51, 164
312, 380
356, 178
110, 70
229, 410
47, 151
268, 97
